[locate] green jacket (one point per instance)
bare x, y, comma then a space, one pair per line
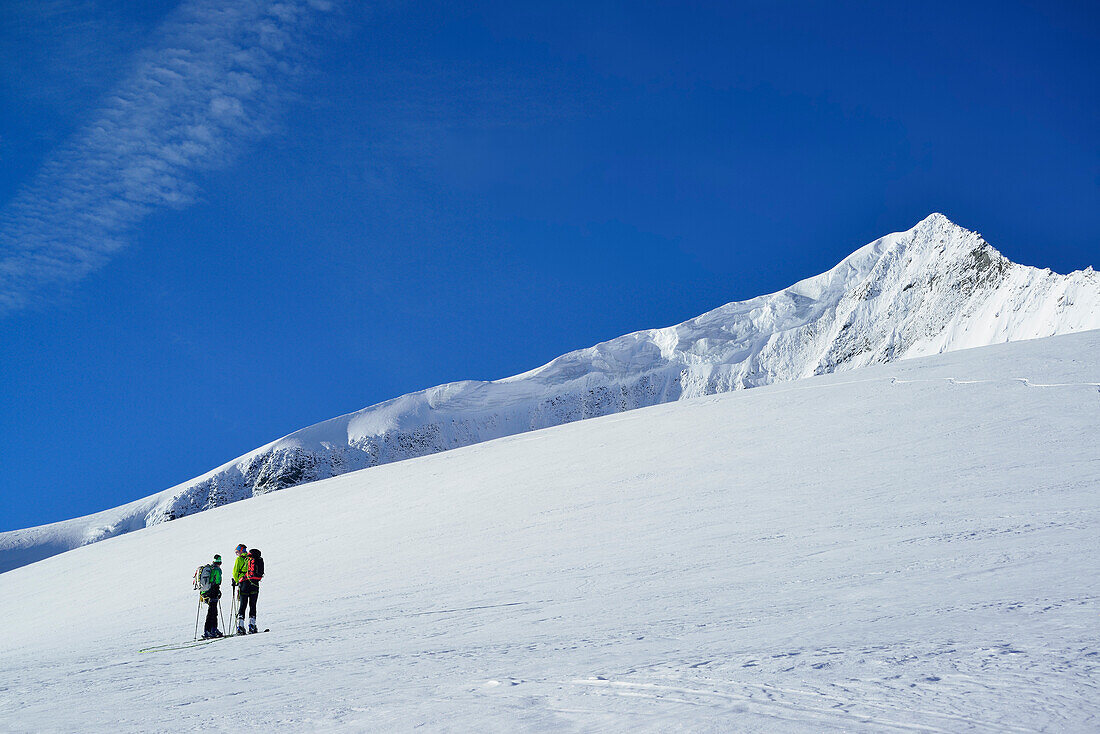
240, 567
215, 575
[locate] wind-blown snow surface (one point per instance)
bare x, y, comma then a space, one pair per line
934, 288
906, 547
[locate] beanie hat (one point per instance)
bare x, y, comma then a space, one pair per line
217, 558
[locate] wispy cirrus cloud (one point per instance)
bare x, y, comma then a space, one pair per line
211, 83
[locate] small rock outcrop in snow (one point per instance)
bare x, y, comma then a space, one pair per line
935, 288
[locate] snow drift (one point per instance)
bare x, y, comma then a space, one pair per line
935, 288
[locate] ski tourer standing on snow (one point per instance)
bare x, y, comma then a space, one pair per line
211, 596
239, 567
248, 587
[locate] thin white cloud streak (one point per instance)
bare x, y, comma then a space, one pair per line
210, 85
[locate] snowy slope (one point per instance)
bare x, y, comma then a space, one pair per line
907, 547
934, 288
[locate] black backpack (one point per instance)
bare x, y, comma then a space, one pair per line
257, 565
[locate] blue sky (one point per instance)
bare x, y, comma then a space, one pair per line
224, 221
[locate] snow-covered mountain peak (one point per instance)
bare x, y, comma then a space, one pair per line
933, 288
933, 244
935, 223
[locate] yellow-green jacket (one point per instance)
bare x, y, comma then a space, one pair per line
240, 567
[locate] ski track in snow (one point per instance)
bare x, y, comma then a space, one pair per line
1022, 380
913, 550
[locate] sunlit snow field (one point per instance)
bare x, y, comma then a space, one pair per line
912, 547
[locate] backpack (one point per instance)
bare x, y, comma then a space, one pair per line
201, 580
255, 570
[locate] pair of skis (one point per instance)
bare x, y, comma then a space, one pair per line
193, 643
198, 642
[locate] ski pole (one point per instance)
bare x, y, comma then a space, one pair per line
221, 616
197, 613
233, 612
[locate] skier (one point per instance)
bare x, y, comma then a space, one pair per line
247, 572
211, 597
240, 567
